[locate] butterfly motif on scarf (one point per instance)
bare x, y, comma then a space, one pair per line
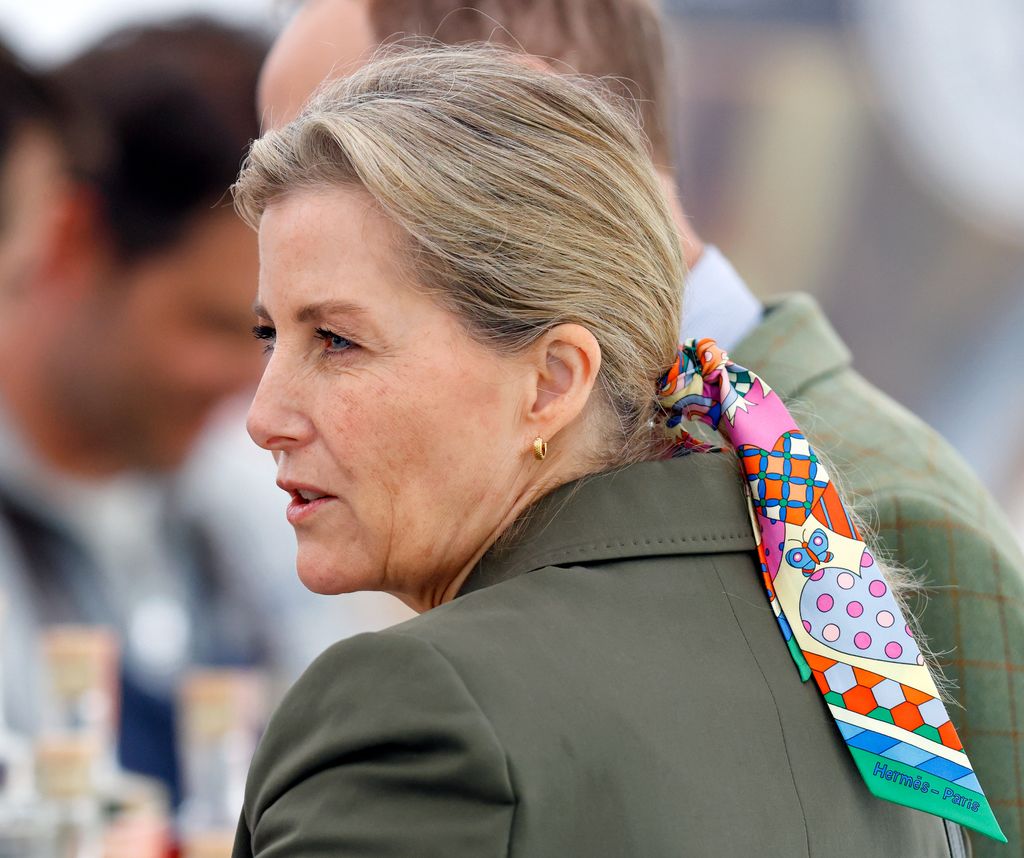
811, 554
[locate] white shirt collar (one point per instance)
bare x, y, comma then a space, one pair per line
717, 303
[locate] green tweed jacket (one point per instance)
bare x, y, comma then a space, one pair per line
610, 684
933, 517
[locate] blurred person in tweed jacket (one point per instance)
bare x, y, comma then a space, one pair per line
929, 511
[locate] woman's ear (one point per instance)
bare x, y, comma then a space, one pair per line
564, 367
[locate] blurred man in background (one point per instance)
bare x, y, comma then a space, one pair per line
125, 283
930, 513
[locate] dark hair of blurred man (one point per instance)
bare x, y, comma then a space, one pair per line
122, 325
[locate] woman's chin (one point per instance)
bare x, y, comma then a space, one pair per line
328, 577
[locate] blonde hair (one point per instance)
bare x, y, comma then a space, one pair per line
527, 200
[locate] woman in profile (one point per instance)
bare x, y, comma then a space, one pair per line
470, 295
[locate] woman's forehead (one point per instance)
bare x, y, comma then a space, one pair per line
336, 214
329, 249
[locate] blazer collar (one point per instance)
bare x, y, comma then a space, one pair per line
793, 347
691, 505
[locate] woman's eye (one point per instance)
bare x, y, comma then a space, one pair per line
266, 333
333, 342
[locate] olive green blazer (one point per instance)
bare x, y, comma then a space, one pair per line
611, 683
933, 517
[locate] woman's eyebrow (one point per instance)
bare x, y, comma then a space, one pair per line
320, 310
317, 311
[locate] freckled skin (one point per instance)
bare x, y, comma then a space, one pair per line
415, 429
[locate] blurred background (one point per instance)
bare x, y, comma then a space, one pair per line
868, 152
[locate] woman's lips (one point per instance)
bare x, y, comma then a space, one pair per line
299, 510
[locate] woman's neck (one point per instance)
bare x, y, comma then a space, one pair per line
449, 586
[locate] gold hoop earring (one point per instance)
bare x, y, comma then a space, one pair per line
540, 448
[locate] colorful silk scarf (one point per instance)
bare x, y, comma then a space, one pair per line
837, 612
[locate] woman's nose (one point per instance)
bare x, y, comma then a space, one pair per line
276, 419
